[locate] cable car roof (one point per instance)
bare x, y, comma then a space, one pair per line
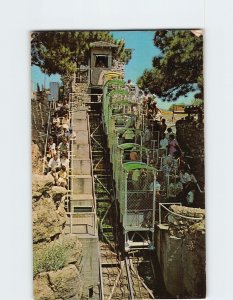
128, 166
126, 146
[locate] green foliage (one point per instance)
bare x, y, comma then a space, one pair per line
51, 257
178, 69
62, 52
197, 102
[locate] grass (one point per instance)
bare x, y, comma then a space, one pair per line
51, 257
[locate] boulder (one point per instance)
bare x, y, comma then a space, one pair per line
42, 183
42, 289
37, 165
47, 221
57, 192
66, 283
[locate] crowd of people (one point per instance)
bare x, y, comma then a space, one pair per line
175, 180
58, 145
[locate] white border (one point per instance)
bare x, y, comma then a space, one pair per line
20, 17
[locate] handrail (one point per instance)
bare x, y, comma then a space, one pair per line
176, 214
46, 141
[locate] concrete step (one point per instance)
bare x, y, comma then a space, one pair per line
81, 166
81, 184
81, 151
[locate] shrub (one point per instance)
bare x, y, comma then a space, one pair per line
51, 257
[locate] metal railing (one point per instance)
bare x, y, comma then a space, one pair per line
46, 141
163, 206
90, 228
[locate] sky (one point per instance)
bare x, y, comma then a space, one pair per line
143, 52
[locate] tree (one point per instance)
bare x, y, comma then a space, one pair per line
61, 52
178, 70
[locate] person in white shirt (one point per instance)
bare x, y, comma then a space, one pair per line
190, 197
163, 142
184, 177
54, 163
51, 148
66, 120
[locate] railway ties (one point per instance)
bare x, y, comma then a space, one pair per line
121, 279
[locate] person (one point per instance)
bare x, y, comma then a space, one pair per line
66, 131
55, 175
143, 179
60, 134
66, 121
65, 108
157, 187
135, 179
51, 148
163, 127
163, 142
64, 160
64, 145
190, 197
62, 177
146, 138
100, 64
184, 177
133, 155
169, 132
128, 85
56, 120
173, 146
54, 163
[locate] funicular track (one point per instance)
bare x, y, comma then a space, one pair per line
122, 274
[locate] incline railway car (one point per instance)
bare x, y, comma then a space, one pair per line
135, 179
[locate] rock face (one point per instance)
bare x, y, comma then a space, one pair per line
42, 289
37, 165
181, 253
56, 256
64, 283
48, 214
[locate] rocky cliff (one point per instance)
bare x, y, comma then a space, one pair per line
56, 256
181, 252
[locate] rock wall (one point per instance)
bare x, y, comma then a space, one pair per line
39, 119
37, 164
181, 253
56, 256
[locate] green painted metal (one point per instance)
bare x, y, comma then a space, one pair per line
114, 82
128, 166
126, 146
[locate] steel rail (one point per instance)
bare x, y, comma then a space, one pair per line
129, 279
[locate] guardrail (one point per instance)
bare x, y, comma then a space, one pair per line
91, 228
162, 206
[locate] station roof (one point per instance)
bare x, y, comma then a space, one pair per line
102, 44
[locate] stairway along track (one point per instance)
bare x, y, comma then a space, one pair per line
120, 273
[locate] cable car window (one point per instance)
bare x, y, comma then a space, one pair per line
101, 61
